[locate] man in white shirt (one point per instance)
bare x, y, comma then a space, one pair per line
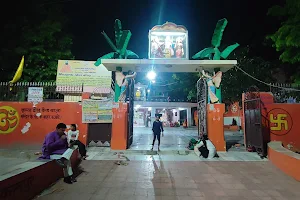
205, 145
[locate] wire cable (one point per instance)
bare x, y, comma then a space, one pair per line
268, 84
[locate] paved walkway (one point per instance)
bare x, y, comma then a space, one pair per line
174, 138
165, 180
104, 153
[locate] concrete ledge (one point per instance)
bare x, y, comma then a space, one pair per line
286, 160
29, 179
231, 128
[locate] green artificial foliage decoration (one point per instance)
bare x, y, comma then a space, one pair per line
117, 92
213, 53
218, 33
131, 55
124, 41
122, 38
226, 52
111, 44
205, 53
217, 54
118, 32
106, 56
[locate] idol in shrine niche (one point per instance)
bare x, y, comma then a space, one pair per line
169, 52
156, 48
179, 47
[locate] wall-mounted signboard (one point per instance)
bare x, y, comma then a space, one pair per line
97, 111
82, 76
35, 94
168, 41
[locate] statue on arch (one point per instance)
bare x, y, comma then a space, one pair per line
213, 83
123, 80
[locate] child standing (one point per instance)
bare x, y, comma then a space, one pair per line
72, 136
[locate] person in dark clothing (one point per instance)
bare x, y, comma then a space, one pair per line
157, 128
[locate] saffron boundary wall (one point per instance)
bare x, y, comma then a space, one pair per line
23, 123
281, 121
287, 161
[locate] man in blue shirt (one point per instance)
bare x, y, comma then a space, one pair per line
157, 128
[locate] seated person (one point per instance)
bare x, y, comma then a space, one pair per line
234, 122
72, 135
55, 147
205, 148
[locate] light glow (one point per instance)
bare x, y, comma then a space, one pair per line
151, 75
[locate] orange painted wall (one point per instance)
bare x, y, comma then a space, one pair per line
215, 125
119, 127
16, 116
288, 126
234, 110
285, 160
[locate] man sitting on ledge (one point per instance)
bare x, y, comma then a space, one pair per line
55, 147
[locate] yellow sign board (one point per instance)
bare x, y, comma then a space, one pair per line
77, 72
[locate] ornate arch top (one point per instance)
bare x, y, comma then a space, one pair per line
169, 26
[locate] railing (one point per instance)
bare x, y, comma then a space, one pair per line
51, 91
172, 100
285, 92
149, 99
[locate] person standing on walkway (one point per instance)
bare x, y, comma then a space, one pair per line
157, 129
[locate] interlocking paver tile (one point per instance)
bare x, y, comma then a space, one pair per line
179, 180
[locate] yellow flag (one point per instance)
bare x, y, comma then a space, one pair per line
19, 72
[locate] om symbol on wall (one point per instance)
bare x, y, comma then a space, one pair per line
280, 121
9, 119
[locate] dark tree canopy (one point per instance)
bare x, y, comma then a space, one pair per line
40, 35
286, 39
234, 81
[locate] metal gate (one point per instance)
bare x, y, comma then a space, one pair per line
130, 100
100, 134
202, 102
254, 123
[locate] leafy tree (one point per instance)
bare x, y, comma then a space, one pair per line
287, 38
40, 36
183, 85
234, 82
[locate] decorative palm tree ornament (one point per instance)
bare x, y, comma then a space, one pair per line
213, 53
122, 38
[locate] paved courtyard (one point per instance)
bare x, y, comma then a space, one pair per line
174, 138
166, 180
173, 173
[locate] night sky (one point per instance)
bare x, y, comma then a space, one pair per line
248, 22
